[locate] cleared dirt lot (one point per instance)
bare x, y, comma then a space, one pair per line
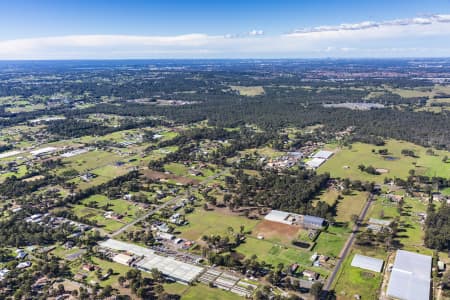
276, 231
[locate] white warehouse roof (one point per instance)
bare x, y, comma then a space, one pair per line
43, 150
10, 153
367, 263
322, 154
170, 267
123, 259
315, 162
278, 216
175, 269
410, 276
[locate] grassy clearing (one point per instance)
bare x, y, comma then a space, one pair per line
175, 288
350, 205
355, 281
265, 151
118, 270
92, 160
275, 254
345, 162
184, 171
410, 233
330, 242
94, 214
329, 196
201, 291
26, 108
110, 171
211, 222
412, 93
22, 170
128, 209
248, 91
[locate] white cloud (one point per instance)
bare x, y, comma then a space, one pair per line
255, 32
404, 37
433, 19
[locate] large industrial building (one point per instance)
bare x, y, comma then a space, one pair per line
147, 260
315, 162
318, 159
294, 219
322, 154
410, 276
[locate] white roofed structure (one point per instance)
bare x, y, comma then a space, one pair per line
315, 162
410, 276
367, 263
322, 154
10, 153
170, 267
123, 259
278, 216
43, 151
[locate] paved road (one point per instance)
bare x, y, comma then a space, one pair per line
165, 204
348, 244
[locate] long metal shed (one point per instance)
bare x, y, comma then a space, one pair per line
410, 276
367, 263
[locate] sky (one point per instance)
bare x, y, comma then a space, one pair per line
100, 29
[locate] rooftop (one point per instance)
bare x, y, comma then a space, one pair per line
410, 276
278, 216
315, 162
170, 267
43, 150
323, 154
367, 263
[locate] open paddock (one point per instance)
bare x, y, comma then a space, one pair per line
155, 175
350, 205
345, 162
203, 222
277, 232
248, 91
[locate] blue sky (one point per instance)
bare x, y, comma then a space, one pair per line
63, 29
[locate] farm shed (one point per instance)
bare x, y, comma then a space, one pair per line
323, 154
177, 270
410, 276
367, 263
315, 162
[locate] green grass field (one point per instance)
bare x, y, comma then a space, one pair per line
203, 222
201, 291
275, 254
350, 205
120, 206
362, 154
110, 171
410, 233
118, 270
248, 91
264, 151
355, 281
97, 215
182, 170
330, 242
92, 160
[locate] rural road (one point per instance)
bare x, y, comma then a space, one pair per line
348, 245
165, 204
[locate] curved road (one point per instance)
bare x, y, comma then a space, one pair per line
348, 245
